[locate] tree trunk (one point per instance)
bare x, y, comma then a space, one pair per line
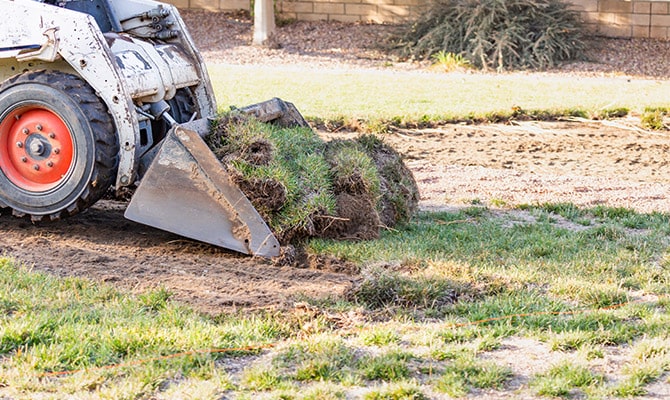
264, 21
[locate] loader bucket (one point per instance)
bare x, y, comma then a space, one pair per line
186, 190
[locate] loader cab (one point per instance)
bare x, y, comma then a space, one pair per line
101, 10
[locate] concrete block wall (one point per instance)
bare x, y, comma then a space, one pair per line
211, 5
379, 11
389, 11
614, 18
626, 18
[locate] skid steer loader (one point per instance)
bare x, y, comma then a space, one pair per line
100, 93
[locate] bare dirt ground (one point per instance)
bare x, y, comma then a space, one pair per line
101, 245
587, 164
584, 163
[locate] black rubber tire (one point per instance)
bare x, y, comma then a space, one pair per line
94, 141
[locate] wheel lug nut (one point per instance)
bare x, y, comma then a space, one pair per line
50, 164
36, 167
26, 131
24, 159
56, 151
52, 135
39, 127
19, 144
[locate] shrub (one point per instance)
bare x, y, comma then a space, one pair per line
653, 119
500, 34
381, 288
449, 62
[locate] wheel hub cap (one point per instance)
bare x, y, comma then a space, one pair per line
36, 149
37, 146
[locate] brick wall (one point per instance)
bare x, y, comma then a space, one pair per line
615, 18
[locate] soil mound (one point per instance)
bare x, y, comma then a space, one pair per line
306, 187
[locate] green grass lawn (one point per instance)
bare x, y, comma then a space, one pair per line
416, 96
435, 298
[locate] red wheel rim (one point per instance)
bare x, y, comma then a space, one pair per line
36, 149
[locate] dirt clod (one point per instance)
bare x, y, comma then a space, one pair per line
258, 153
325, 263
356, 219
268, 195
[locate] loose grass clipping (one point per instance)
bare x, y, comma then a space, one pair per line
305, 187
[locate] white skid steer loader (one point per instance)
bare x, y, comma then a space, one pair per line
96, 93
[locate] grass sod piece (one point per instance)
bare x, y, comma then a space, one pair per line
321, 358
650, 360
560, 380
380, 337
464, 373
407, 390
389, 367
653, 118
305, 187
